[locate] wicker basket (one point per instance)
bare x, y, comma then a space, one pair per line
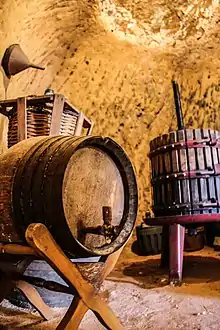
149, 239
38, 112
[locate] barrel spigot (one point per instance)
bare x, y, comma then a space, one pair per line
108, 230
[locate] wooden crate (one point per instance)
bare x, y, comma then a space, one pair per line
43, 115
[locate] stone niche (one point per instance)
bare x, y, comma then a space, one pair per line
115, 59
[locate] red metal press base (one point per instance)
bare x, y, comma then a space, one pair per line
173, 240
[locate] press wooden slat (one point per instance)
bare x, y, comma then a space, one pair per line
211, 189
194, 194
208, 158
182, 153
160, 159
218, 188
191, 151
174, 156
167, 162
200, 153
163, 195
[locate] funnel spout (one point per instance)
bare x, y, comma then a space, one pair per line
36, 66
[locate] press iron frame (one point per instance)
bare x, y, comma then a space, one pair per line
173, 233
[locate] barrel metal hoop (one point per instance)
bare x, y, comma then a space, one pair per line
185, 175
190, 144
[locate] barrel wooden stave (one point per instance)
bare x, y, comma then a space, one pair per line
8, 164
27, 180
47, 209
36, 169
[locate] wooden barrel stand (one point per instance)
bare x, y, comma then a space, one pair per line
42, 244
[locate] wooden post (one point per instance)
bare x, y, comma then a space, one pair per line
22, 119
57, 114
89, 132
176, 246
79, 124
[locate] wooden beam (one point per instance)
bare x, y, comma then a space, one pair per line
30, 99
71, 107
16, 249
57, 114
90, 128
79, 124
21, 118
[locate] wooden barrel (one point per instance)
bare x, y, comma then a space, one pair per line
186, 172
64, 182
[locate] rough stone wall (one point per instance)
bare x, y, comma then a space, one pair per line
115, 60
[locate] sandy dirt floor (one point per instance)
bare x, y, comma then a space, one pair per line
138, 293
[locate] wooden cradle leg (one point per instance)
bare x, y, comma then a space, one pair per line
41, 240
74, 315
34, 298
110, 262
78, 309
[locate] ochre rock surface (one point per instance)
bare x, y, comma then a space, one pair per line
114, 60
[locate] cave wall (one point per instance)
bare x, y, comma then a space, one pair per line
115, 60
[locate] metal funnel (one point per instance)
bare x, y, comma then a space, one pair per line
15, 61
